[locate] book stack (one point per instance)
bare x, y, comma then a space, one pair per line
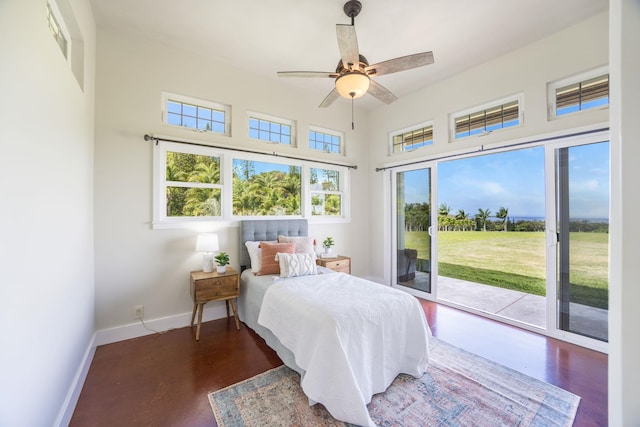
323, 255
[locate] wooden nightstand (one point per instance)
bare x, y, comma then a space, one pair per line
214, 286
340, 263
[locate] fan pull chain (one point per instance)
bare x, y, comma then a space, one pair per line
352, 126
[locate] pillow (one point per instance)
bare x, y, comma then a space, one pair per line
255, 255
297, 264
268, 262
304, 244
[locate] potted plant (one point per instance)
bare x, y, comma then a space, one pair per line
222, 259
326, 244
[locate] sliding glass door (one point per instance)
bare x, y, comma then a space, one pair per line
582, 211
413, 222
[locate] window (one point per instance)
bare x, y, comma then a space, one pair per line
412, 138
579, 93
271, 129
53, 18
198, 183
326, 197
191, 184
200, 115
265, 189
325, 140
482, 120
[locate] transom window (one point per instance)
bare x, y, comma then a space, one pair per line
488, 118
56, 29
271, 129
200, 115
412, 138
578, 93
325, 140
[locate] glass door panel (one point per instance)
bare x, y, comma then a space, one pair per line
413, 257
583, 239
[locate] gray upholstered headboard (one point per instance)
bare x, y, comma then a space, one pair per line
266, 230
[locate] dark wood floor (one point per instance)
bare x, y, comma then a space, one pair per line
163, 380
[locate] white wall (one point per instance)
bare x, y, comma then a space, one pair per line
624, 292
136, 265
46, 211
526, 70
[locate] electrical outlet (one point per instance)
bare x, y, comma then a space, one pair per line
139, 311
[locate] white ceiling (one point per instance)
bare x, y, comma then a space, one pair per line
267, 36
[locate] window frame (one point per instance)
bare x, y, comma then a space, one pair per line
339, 192
419, 126
330, 132
53, 12
519, 98
272, 119
552, 111
198, 102
160, 219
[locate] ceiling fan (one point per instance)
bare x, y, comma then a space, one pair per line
353, 73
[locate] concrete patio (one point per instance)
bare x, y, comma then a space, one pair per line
515, 305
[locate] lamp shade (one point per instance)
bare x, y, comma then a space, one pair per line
353, 84
207, 243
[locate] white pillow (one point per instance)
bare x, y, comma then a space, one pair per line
304, 244
298, 264
255, 255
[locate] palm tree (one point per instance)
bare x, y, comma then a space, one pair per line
482, 216
502, 214
462, 219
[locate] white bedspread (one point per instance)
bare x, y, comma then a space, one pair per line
350, 335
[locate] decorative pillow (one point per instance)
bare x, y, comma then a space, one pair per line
297, 264
255, 255
269, 265
304, 244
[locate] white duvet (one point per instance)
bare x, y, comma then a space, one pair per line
351, 336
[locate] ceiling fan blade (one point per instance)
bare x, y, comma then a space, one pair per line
381, 92
348, 45
306, 74
400, 64
333, 95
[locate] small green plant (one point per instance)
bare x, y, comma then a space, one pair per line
222, 259
328, 242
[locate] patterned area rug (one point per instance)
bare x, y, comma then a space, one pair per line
458, 389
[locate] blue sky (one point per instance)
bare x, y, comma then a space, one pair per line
515, 180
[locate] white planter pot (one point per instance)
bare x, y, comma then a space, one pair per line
221, 269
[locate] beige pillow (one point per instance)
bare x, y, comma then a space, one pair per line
269, 265
298, 264
304, 244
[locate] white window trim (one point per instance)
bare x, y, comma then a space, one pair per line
331, 132
344, 185
275, 119
453, 116
55, 11
161, 221
169, 96
577, 78
409, 129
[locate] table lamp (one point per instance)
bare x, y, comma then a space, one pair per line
207, 243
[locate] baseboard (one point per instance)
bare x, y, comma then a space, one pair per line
121, 333
137, 329
69, 405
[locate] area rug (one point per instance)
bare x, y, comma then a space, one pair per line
458, 389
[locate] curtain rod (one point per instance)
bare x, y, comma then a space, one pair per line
148, 137
482, 149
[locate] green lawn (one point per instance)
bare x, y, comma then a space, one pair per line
516, 260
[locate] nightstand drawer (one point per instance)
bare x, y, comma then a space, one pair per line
338, 264
217, 287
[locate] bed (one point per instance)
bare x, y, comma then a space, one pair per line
347, 337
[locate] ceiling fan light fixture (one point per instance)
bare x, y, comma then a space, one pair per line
352, 85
